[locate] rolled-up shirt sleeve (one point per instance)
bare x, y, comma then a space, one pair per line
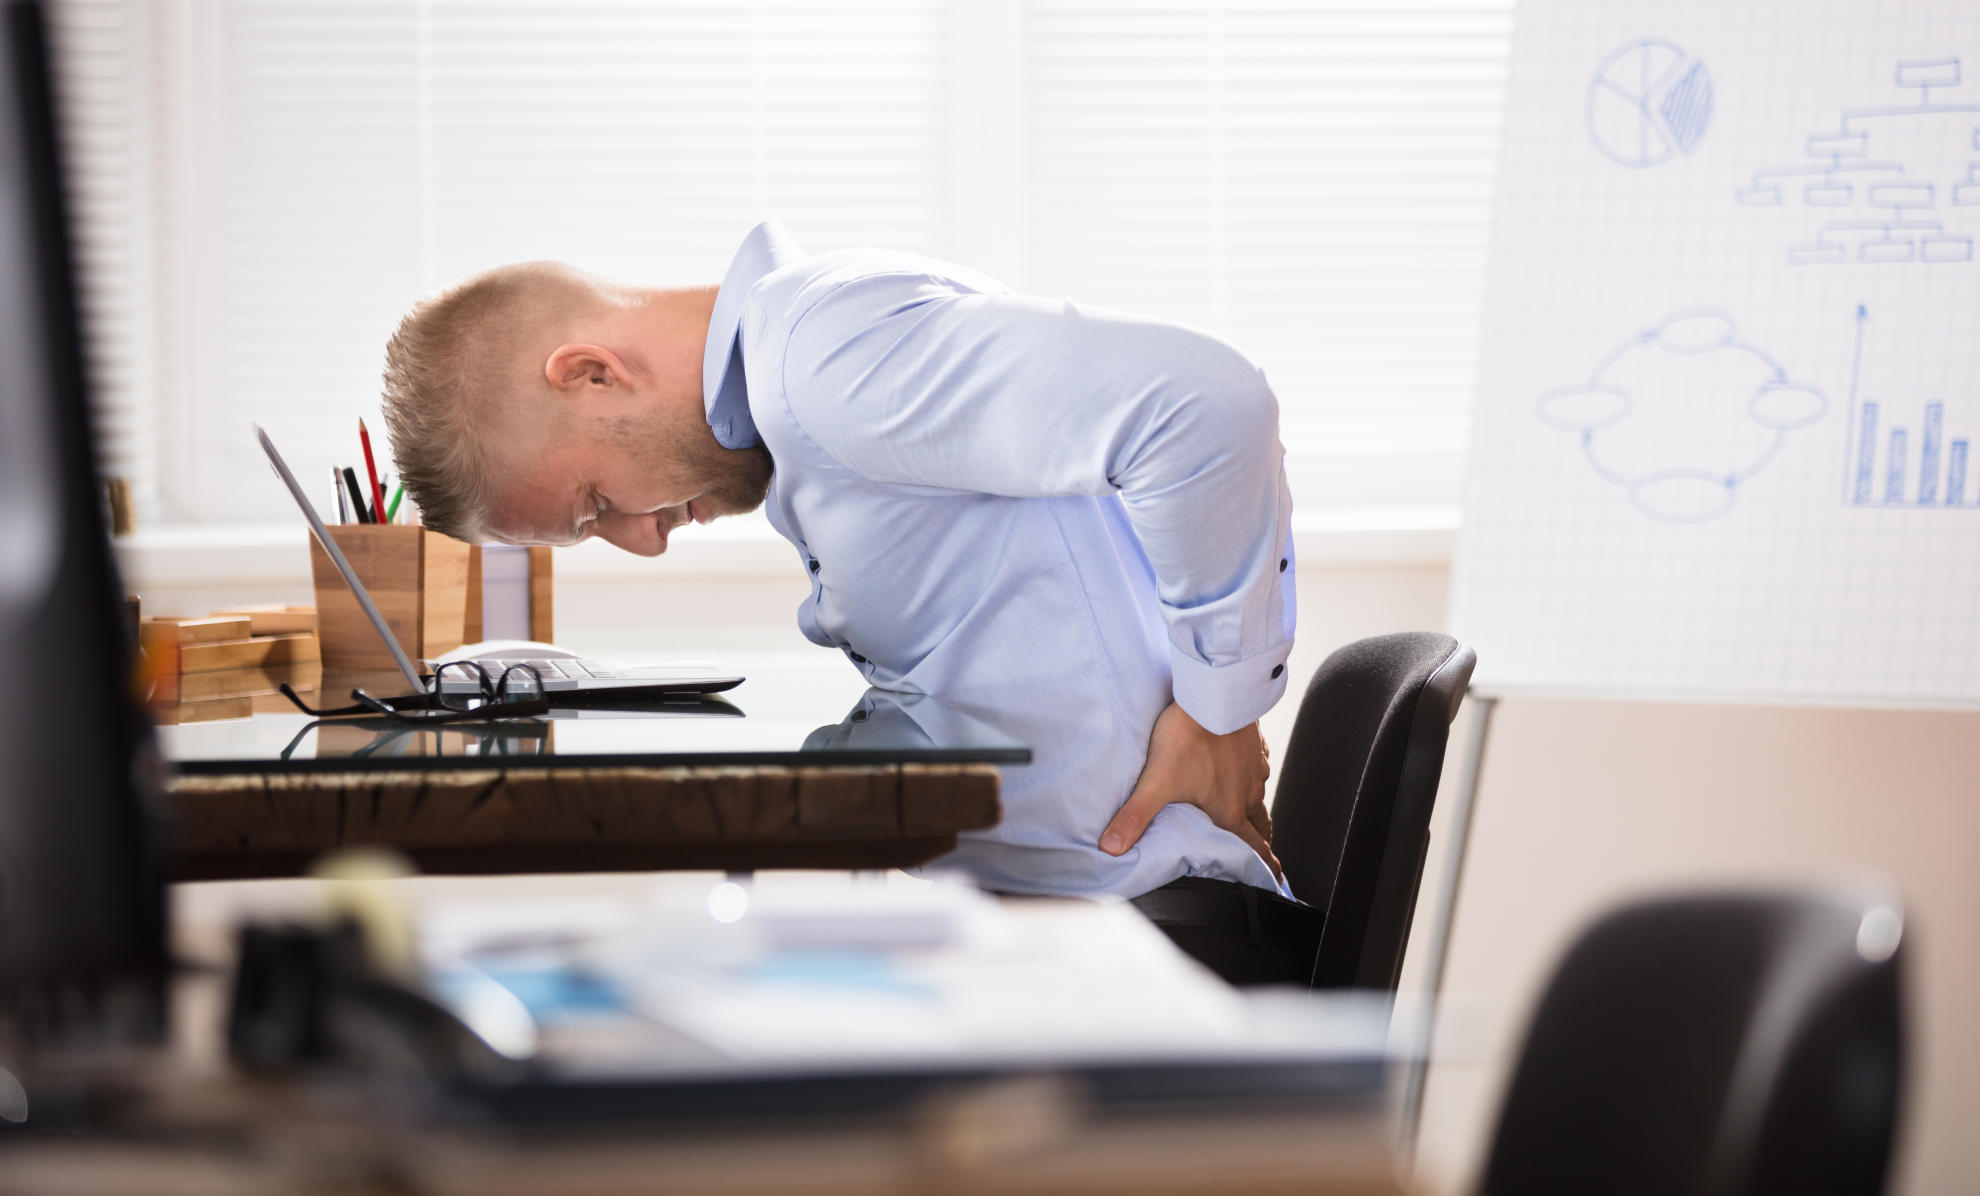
914, 380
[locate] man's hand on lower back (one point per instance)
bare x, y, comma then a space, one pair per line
1222, 775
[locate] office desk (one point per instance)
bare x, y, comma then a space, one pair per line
777, 774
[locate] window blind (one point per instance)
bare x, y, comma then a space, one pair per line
1311, 179
104, 79
267, 184
379, 151
342, 157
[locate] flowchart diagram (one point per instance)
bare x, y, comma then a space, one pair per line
1898, 182
1648, 102
1682, 414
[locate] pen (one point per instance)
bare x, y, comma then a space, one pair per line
343, 504
371, 470
392, 509
357, 496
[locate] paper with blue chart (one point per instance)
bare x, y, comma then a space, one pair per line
1729, 390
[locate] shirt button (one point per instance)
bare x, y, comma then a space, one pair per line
1282, 564
1276, 670
858, 659
859, 716
814, 564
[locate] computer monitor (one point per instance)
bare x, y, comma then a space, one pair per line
81, 887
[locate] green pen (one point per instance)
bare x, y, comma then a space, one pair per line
392, 508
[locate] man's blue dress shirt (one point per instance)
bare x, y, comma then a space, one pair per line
1011, 502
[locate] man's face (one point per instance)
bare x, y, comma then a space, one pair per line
629, 478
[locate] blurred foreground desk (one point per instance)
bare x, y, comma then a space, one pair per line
782, 776
963, 1149
1063, 1047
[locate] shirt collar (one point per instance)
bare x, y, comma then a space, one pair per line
724, 390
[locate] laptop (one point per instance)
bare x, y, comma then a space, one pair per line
565, 675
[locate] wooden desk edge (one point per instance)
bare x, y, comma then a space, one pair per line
480, 819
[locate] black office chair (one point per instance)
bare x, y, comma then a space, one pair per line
1351, 816
1725, 1044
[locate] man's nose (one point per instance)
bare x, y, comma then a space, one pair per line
633, 533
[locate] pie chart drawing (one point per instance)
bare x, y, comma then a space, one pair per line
1649, 102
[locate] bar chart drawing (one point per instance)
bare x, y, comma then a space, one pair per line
1879, 469
1888, 178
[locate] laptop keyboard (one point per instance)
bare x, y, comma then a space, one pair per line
549, 669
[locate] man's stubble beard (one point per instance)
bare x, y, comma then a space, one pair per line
740, 478
747, 484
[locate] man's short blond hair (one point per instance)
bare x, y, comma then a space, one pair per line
457, 372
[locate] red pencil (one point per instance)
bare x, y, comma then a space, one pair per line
371, 468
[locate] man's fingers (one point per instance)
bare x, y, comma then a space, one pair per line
1132, 818
1261, 821
1258, 844
1259, 835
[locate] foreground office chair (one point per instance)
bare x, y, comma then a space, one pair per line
1728, 1044
1351, 816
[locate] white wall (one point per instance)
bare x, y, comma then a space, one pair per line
1584, 804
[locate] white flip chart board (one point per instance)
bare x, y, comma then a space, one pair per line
1727, 440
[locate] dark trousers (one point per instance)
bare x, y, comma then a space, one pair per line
1244, 934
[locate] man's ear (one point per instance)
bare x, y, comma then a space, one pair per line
580, 368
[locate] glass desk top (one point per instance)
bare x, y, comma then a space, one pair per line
790, 716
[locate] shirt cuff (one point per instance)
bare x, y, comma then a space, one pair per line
1224, 697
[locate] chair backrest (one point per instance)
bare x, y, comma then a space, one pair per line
1713, 1044
1351, 816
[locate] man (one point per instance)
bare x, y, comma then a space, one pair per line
998, 499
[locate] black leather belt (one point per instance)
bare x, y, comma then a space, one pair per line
1245, 934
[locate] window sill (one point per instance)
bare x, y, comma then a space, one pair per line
270, 553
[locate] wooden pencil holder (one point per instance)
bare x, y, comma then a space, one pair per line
418, 579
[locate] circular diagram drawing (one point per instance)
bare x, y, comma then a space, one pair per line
1682, 414
1648, 103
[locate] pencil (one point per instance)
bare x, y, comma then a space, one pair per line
371, 468
343, 502
392, 510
